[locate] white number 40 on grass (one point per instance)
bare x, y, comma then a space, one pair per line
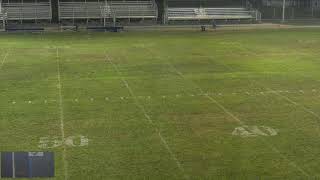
72, 141
253, 131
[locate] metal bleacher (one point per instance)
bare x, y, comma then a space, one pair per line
27, 10
209, 10
105, 9
80, 10
134, 9
209, 13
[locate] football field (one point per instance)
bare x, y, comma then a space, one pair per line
165, 105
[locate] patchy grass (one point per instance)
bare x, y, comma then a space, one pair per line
164, 105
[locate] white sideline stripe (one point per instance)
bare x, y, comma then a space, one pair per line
164, 142
4, 59
65, 165
238, 120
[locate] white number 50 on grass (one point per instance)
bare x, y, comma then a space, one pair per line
253, 131
72, 141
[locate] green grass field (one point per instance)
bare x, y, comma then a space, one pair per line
165, 105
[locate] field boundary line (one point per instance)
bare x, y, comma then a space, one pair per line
61, 112
4, 59
164, 142
235, 118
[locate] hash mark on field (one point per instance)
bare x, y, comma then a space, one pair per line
4, 59
235, 118
297, 104
292, 163
141, 107
61, 115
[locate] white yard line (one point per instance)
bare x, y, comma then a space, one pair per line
164, 142
228, 112
287, 98
4, 60
65, 164
295, 103
224, 109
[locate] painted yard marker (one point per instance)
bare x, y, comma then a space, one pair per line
253, 131
225, 110
4, 60
71, 141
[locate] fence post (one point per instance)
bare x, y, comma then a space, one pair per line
283, 11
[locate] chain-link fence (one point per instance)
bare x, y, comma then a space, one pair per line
293, 9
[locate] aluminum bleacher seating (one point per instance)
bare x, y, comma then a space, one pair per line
229, 13
81, 10
100, 10
134, 9
209, 13
28, 11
